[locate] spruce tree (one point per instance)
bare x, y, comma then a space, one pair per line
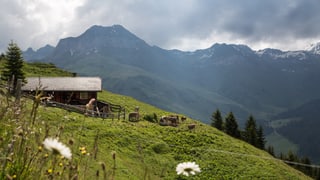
250, 131
231, 127
2, 57
13, 65
306, 169
261, 140
270, 150
216, 120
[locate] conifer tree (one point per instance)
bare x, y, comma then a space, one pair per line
216, 120
250, 131
231, 127
306, 169
2, 57
270, 150
261, 140
13, 65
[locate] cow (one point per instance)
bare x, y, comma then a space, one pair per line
171, 120
134, 116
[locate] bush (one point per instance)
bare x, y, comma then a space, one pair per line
151, 118
160, 148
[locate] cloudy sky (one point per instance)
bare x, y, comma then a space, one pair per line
170, 24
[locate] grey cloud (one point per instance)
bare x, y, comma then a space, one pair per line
164, 22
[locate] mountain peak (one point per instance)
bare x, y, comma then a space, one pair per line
314, 48
98, 40
43, 52
107, 36
105, 28
118, 31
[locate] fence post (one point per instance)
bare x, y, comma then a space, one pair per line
18, 91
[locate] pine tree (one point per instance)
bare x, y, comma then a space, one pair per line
270, 150
306, 169
261, 140
250, 131
216, 120
232, 126
13, 65
2, 57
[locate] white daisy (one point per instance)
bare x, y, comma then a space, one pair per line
187, 168
57, 147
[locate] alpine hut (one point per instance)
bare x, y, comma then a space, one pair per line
67, 90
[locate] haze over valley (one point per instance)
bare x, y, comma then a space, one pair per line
265, 83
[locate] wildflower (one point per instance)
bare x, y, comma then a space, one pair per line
11, 177
57, 147
49, 171
83, 150
187, 168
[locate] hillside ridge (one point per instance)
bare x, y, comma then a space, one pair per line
121, 149
228, 77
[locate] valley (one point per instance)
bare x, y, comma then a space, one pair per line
227, 77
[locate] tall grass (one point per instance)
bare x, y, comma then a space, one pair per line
23, 154
118, 149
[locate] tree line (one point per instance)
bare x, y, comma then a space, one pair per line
252, 134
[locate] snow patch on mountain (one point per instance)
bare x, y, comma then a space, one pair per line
277, 54
314, 48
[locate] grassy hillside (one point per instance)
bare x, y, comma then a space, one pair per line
119, 149
40, 69
44, 69
143, 150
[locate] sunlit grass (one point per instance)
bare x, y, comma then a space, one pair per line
129, 150
119, 149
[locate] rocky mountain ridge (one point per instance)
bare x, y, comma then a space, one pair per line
228, 77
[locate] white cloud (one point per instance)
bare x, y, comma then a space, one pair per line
36, 22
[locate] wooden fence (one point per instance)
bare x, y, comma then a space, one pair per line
116, 111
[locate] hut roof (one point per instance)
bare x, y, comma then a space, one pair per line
64, 83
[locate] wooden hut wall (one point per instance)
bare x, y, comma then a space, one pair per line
73, 97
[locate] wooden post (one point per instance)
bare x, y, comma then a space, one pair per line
18, 91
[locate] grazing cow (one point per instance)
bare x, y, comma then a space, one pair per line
134, 116
171, 120
105, 110
46, 99
90, 106
191, 126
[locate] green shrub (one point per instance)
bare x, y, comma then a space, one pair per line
151, 118
160, 148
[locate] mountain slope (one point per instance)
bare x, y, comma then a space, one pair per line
263, 82
38, 54
224, 76
136, 150
302, 128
